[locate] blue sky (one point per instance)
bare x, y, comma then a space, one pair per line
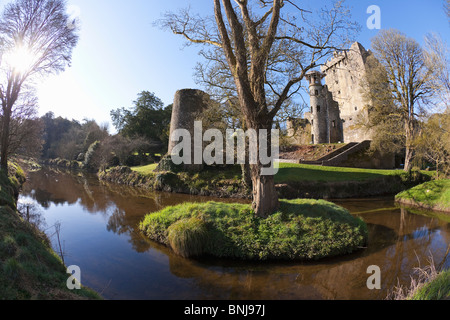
121, 52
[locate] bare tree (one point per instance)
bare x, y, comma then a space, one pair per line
404, 87
447, 8
437, 58
433, 143
268, 47
36, 39
26, 129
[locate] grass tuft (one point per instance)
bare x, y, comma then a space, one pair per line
187, 237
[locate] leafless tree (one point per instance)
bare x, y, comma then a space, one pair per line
402, 89
447, 8
267, 49
36, 39
437, 58
26, 129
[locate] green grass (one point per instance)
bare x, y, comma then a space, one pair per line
29, 268
437, 289
432, 194
300, 230
145, 170
292, 172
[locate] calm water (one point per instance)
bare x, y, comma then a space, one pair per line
100, 235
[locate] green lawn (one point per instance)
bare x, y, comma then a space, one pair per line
145, 170
300, 172
292, 172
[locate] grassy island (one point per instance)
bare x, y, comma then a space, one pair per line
300, 230
432, 195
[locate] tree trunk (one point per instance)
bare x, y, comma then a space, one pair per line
265, 197
409, 150
5, 141
246, 175
408, 159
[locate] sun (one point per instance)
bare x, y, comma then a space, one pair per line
20, 59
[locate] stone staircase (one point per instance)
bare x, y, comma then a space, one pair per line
336, 157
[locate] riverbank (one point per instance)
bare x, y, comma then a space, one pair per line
299, 230
293, 181
432, 195
29, 268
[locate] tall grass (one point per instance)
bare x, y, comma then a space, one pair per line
427, 283
187, 237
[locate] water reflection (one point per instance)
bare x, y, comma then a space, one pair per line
100, 228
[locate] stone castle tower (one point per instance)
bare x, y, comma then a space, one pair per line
338, 106
326, 126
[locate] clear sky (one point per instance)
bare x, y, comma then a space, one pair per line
121, 52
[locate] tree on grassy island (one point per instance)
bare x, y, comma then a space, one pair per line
36, 39
267, 48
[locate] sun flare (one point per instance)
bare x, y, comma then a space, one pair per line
20, 59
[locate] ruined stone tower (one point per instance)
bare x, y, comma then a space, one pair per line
188, 104
326, 124
318, 117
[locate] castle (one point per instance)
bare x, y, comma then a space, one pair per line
337, 106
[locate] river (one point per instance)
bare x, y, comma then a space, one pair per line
99, 233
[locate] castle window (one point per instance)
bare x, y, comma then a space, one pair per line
318, 108
356, 108
333, 123
317, 92
337, 82
312, 122
339, 92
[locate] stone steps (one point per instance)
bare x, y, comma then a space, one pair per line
336, 157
